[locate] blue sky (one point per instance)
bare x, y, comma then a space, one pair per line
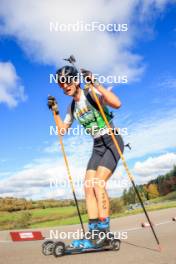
29, 53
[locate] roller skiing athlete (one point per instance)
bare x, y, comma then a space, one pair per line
104, 158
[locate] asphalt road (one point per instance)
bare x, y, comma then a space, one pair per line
139, 248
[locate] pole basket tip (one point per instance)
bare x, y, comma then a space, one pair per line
146, 224
159, 248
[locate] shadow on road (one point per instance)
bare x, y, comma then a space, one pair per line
139, 246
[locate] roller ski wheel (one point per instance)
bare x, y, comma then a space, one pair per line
110, 243
58, 249
47, 247
115, 244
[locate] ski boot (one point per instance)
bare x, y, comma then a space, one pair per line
103, 227
86, 243
98, 230
97, 235
100, 236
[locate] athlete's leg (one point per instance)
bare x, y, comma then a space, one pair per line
91, 200
92, 209
101, 177
107, 166
103, 225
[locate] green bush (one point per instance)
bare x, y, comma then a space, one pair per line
82, 207
116, 206
24, 220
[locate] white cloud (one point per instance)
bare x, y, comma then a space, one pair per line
11, 91
74, 145
34, 181
154, 166
153, 134
168, 83
29, 23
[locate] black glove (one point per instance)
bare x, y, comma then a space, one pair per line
87, 75
52, 104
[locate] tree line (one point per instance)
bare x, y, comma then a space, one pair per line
11, 204
160, 186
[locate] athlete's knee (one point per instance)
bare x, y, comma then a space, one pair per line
88, 187
99, 184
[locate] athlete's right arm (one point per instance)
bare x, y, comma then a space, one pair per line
62, 125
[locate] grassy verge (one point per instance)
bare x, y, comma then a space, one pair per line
51, 217
38, 217
67, 221
153, 207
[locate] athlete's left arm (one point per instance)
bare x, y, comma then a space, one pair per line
109, 98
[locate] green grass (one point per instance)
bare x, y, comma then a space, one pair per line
67, 221
153, 207
40, 217
50, 217
40, 213
61, 211
5, 216
169, 197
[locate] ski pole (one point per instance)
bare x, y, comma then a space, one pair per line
125, 164
68, 172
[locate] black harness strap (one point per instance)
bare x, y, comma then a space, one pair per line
72, 107
91, 101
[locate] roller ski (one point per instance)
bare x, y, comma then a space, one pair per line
100, 240
59, 248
